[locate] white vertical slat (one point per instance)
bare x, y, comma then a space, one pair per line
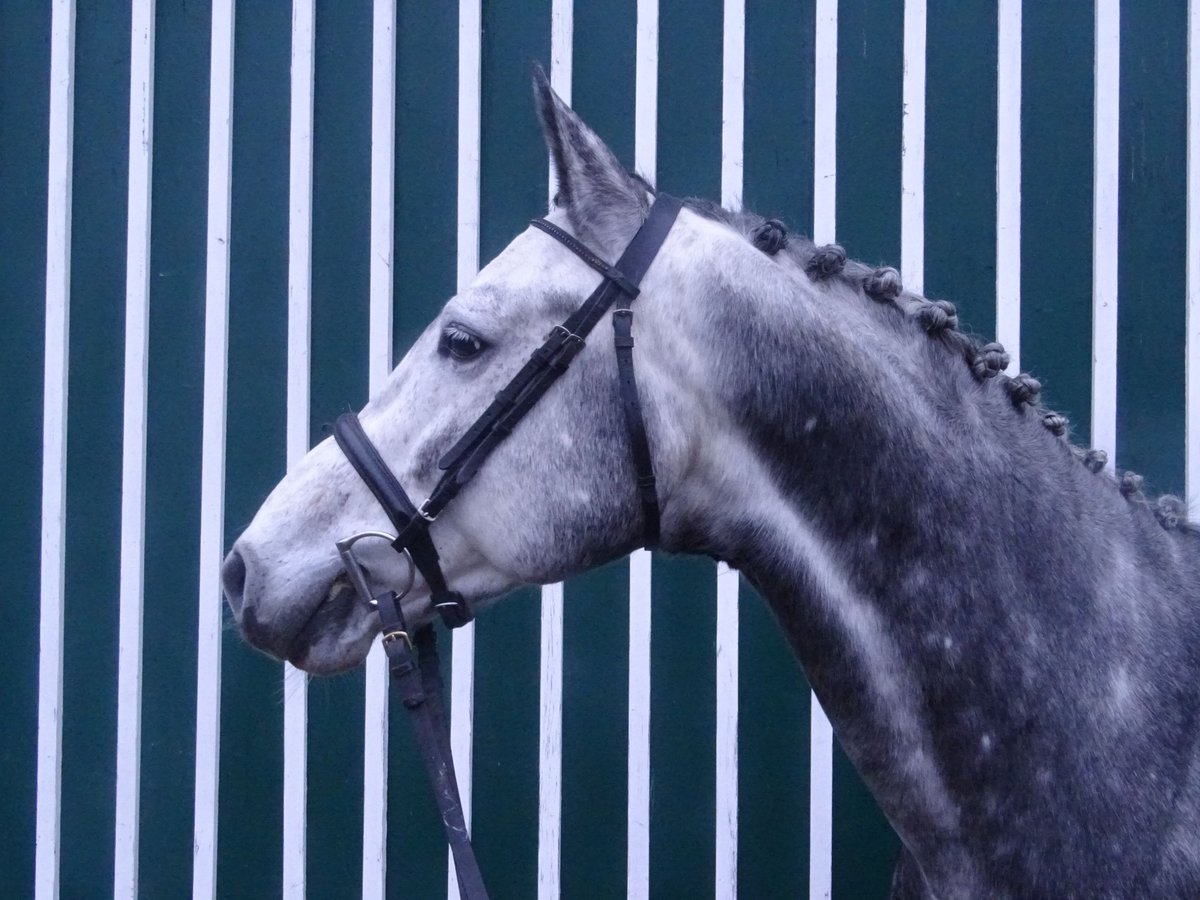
550, 745
638, 828
1008, 181
645, 153
1104, 227
726, 796
470, 27
733, 77
54, 447
1193, 262
820, 800
562, 15
383, 141
820, 804
212, 456
645, 115
295, 681
133, 451
912, 168
825, 123
727, 733
462, 654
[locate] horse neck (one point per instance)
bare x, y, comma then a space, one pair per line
942, 566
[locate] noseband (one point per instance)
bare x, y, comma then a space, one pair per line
413, 660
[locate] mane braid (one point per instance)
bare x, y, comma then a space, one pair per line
938, 319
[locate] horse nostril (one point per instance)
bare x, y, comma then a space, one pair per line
233, 580
259, 635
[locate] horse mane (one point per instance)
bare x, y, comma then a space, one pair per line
939, 320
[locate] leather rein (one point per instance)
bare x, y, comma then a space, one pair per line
412, 656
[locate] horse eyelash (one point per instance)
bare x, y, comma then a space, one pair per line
455, 331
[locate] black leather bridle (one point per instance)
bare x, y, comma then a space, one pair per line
413, 659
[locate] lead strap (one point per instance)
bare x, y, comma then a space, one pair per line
416, 671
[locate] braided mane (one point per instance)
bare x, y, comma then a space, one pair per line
938, 319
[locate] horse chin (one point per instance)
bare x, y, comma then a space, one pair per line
337, 637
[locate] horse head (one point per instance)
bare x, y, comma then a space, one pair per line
559, 495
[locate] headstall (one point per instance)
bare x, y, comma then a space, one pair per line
412, 656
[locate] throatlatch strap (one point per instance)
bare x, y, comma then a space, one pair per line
631, 267
635, 425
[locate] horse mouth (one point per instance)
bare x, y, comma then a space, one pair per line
337, 634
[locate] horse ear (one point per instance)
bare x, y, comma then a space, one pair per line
601, 198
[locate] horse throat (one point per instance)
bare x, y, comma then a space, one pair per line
852, 655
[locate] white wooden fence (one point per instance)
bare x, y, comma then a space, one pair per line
383, 112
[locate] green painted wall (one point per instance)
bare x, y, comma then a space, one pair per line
24, 106
960, 265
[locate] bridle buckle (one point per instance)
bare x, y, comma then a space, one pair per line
390, 637
568, 336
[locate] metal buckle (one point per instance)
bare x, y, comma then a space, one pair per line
422, 512
399, 635
358, 577
568, 335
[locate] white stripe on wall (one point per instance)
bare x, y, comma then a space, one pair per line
726, 796
727, 731
383, 204
825, 123
1193, 262
470, 27
645, 113
562, 15
212, 456
1008, 181
638, 815
133, 452
645, 152
462, 676
550, 745
1104, 227
733, 78
295, 681
54, 448
912, 167
820, 801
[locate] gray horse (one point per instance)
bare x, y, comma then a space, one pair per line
1006, 638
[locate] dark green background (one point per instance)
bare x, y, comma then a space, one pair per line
960, 265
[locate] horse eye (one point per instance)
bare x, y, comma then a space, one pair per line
461, 344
